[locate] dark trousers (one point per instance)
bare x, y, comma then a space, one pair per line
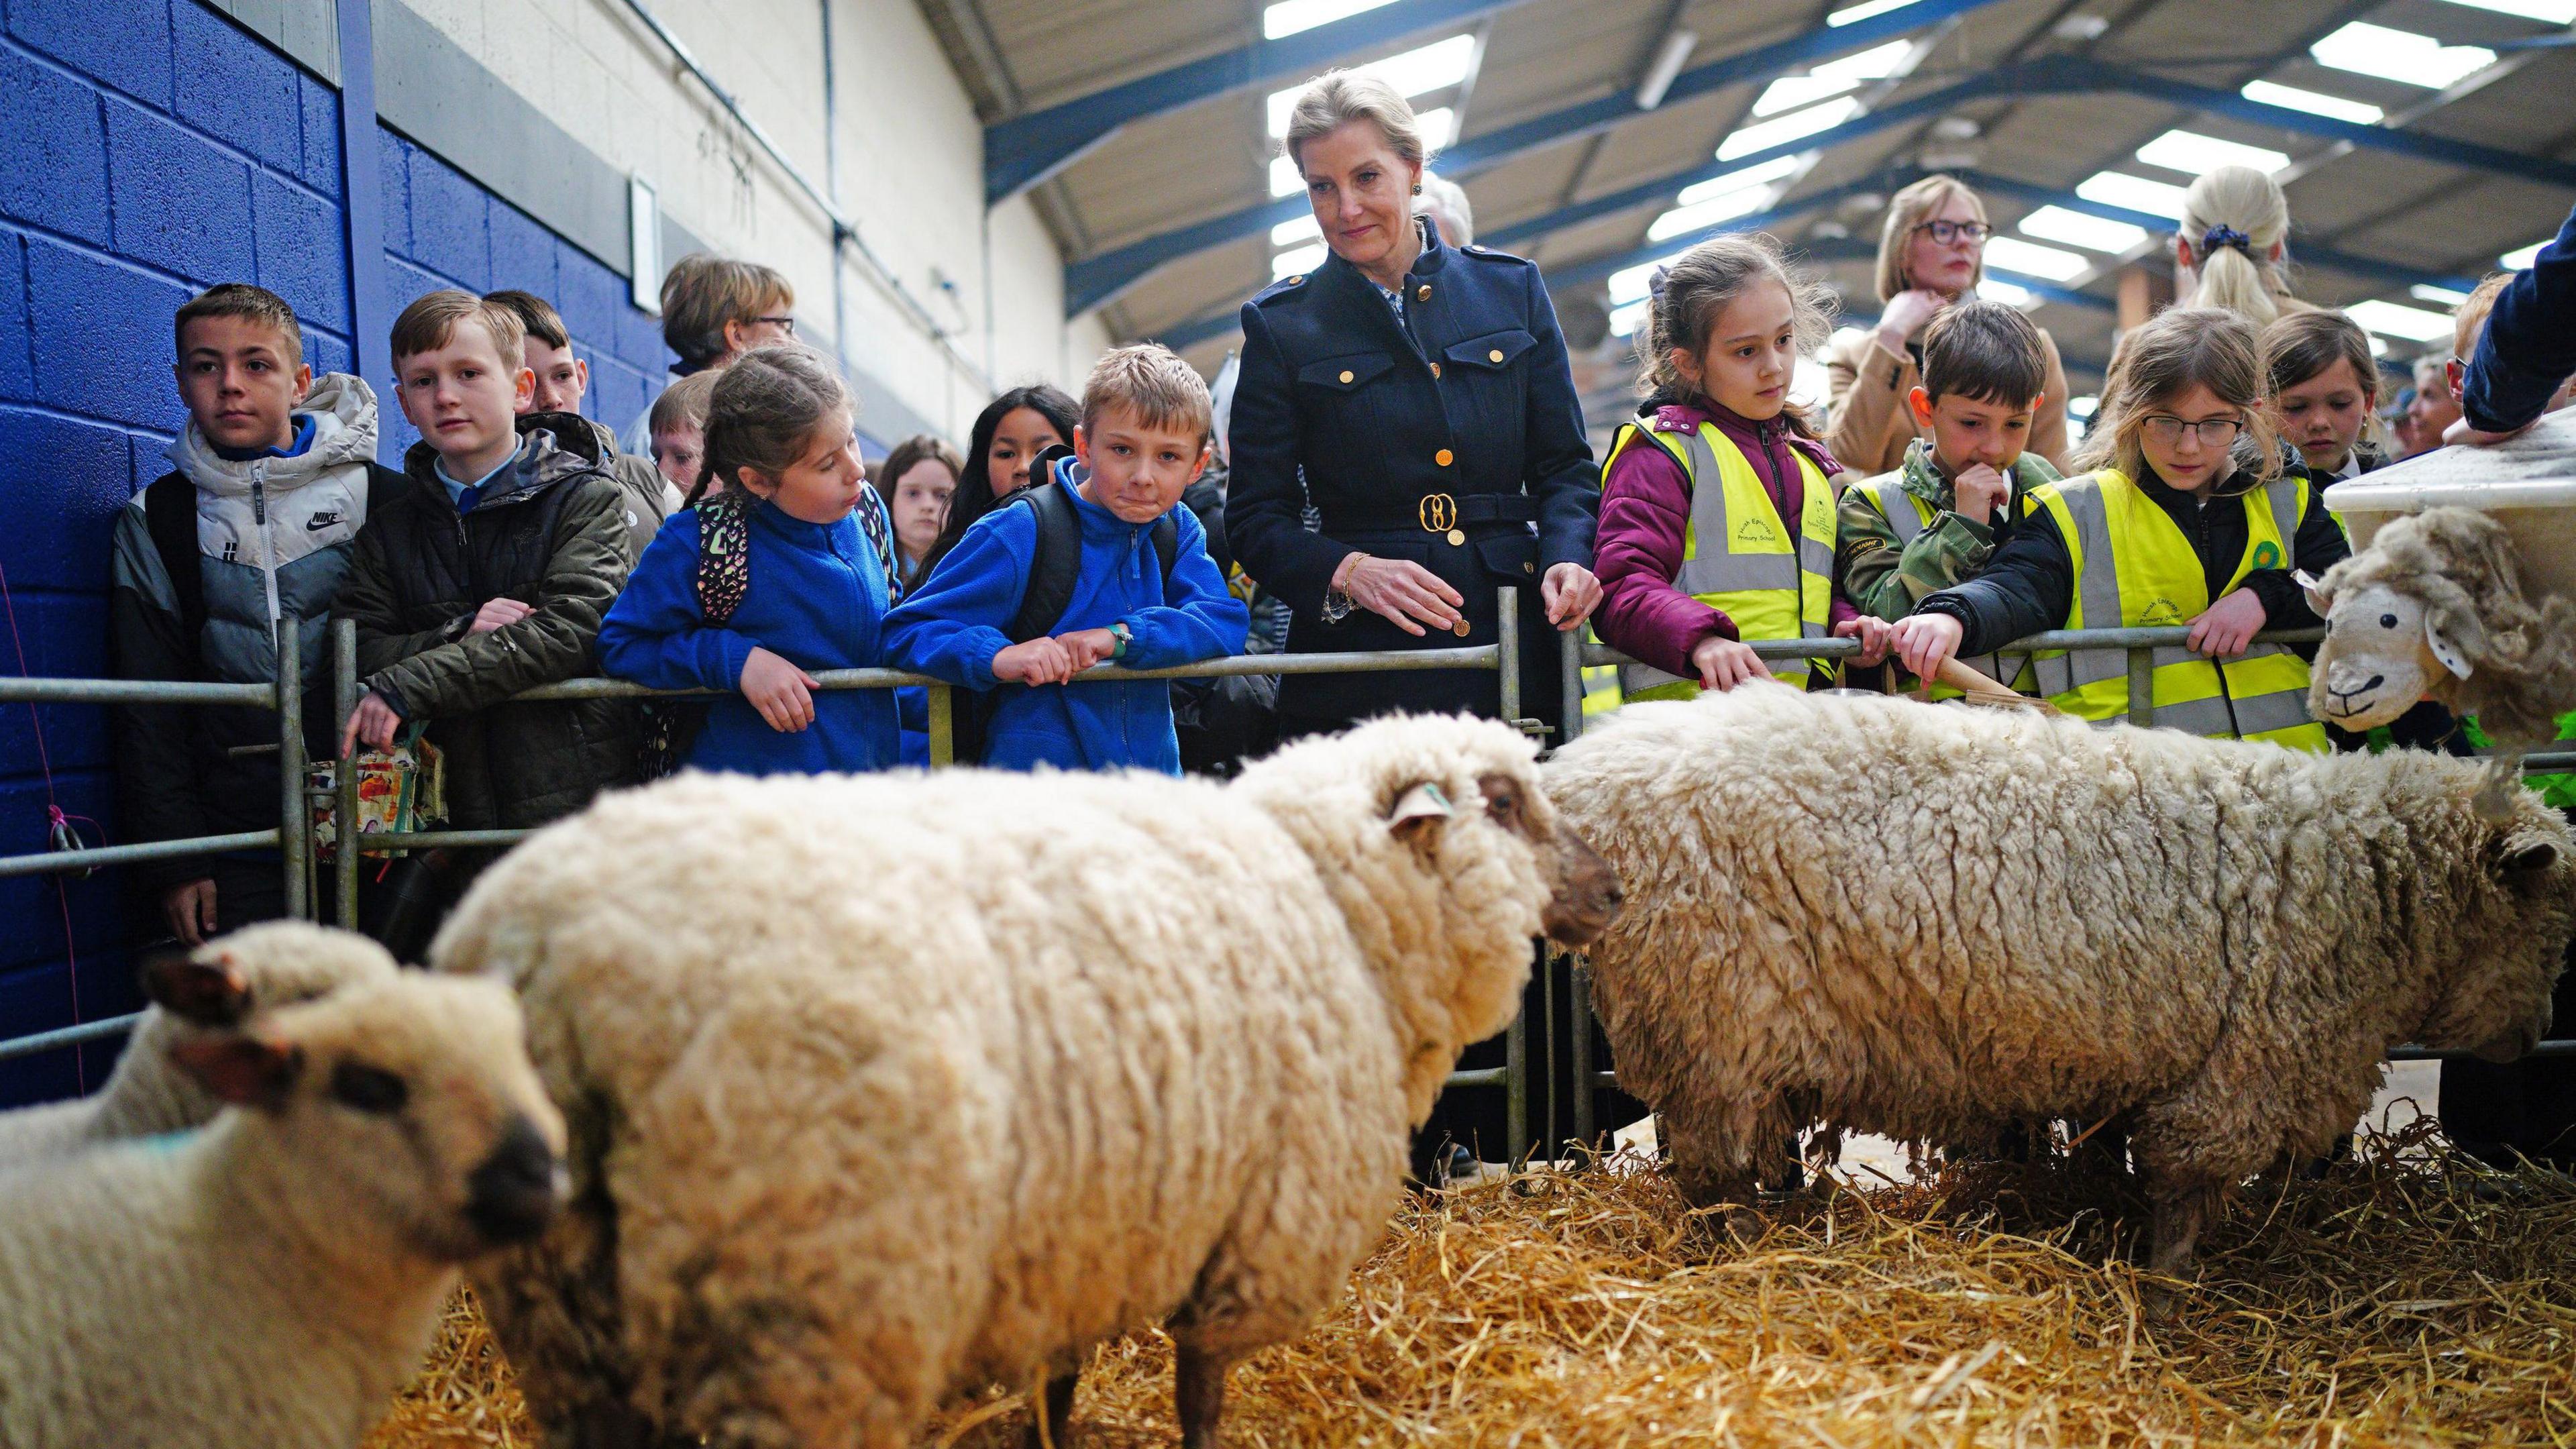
2527, 1107
1478, 1117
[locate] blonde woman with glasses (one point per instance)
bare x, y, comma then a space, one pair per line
1931, 253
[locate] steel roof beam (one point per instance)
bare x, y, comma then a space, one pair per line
1025, 150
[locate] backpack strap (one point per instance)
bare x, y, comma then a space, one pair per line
873, 522
170, 513
724, 555
1055, 568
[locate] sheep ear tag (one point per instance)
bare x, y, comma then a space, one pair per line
1418, 812
2318, 599
242, 1069
2445, 652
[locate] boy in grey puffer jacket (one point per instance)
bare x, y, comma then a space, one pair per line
254, 524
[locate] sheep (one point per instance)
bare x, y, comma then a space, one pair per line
2435, 609
1926, 921
889, 1088
253, 970
270, 1278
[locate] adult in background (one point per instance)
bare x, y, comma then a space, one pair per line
2232, 250
715, 309
1420, 395
1931, 253
1445, 202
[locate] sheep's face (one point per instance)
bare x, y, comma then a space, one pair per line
2515, 935
1583, 890
2382, 653
409, 1106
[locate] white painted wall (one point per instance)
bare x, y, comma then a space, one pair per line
911, 172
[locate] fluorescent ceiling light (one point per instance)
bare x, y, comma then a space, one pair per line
1290, 16
2015, 255
1995, 289
2556, 12
2520, 260
2378, 348
1285, 178
1630, 284
1624, 321
1703, 215
2411, 324
2314, 103
2198, 155
1668, 65
1864, 10
1303, 229
2438, 296
1735, 181
1832, 78
1432, 67
1439, 127
1303, 259
2136, 193
2400, 55
1764, 135
2076, 228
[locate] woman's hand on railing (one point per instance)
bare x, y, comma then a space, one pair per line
1400, 591
1924, 642
1571, 593
783, 693
2225, 628
1724, 663
372, 724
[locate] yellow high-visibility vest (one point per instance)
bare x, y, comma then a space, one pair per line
2134, 568
1907, 516
1771, 585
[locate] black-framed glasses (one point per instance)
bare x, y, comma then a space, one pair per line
1946, 232
784, 324
2213, 432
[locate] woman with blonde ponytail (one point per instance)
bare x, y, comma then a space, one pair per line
2233, 249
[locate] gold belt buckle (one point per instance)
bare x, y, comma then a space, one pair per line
1438, 513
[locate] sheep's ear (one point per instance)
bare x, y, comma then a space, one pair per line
2526, 856
208, 988
2445, 652
2318, 599
1419, 813
243, 1070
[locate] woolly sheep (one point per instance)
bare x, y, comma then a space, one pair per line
271, 1278
253, 970
1925, 921
2435, 609
888, 1088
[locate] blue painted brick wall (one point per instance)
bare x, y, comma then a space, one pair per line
128, 180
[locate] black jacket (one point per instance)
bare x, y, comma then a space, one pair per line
551, 533
1469, 397
2029, 585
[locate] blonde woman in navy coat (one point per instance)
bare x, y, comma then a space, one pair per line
1419, 396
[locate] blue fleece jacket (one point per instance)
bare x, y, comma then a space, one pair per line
951, 627
817, 598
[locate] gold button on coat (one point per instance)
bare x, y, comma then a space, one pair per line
1494, 356
1346, 375
1422, 293
1435, 369
1441, 457
1457, 538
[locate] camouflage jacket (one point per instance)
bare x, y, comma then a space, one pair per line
1886, 569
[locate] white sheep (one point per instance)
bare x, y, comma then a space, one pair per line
253, 970
269, 1279
886, 1088
1924, 921
2435, 609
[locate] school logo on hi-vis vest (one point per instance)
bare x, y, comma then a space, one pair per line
1756, 530
2160, 613
2267, 555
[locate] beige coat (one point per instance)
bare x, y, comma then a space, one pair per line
1870, 423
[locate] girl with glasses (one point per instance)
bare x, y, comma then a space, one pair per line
1931, 253
2187, 518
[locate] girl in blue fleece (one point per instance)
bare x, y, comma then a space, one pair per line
779, 430
1142, 440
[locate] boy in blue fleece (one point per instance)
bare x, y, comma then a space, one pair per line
1142, 440
814, 597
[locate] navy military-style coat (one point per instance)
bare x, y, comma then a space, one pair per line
1452, 438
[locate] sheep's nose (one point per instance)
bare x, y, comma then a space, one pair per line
517, 1189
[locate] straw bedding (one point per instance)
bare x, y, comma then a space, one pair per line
2409, 1296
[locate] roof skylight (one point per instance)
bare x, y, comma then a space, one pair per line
2521, 258
2197, 155
1864, 10
1290, 16
2438, 296
2411, 324
1832, 78
1734, 181
2137, 193
2077, 228
1780, 131
1432, 67
2015, 255
1631, 284
1705, 214
2314, 103
1300, 259
1303, 229
2011, 294
2400, 55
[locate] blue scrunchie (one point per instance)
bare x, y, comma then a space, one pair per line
2225, 236
1655, 283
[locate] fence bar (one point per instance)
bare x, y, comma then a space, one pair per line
133, 691
2159, 637
87, 1031
107, 855
2545, 763
2142, 687
390, 840
1580, 1013
1516, 1087
295, 823
943, 727
1569, 682
1478, 1077
1507, 653
344, 703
